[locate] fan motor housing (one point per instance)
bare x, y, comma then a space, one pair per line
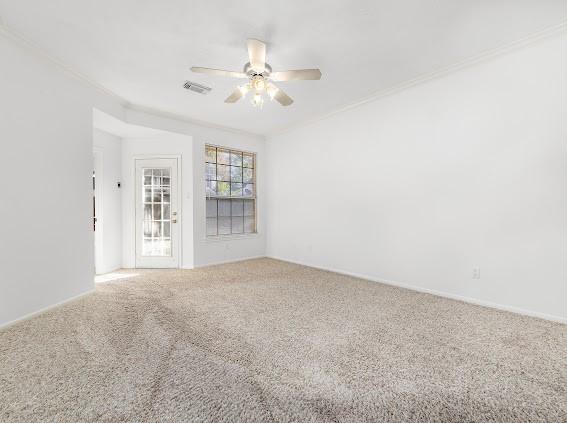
248, 70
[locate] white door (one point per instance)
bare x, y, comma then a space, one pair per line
157, 215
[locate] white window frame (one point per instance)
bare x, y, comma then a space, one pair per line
254, 197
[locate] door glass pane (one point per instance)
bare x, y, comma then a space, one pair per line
147, 246
147, 194
156, 197
156, 229
147, 212
156, 180
166, 229
157, 212
148, 177
147, 229
166, 247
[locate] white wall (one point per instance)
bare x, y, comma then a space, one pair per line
207, 251
109, 222
421, 186
46, 247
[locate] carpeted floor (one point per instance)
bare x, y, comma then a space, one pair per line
268, 341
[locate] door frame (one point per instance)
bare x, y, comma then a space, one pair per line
98, 167
135, 244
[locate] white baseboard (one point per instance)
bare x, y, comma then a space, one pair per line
228, 261
43, 310
451, 296
109, 270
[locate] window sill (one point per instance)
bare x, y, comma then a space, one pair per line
224, 238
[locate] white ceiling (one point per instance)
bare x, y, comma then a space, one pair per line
142, 49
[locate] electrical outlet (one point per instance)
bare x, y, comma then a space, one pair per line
476, 272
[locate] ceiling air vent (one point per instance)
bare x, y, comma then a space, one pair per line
198, 88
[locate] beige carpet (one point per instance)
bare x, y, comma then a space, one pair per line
264, 341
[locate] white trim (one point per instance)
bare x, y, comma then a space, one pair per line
174, 116
45, 309
216, 263
462, 298
110, 270
485, 56
98, 167
232, 237
150, 156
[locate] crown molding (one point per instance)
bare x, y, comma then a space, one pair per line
181, 118
483, 57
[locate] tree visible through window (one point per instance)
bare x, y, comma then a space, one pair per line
231, 191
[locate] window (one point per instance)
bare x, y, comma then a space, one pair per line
231, 191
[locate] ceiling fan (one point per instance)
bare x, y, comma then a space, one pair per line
260, 77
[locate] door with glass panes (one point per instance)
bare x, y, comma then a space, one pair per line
157, 215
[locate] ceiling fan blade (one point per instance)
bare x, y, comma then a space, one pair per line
296, 75
235, 96
219, 72
257, 54
281, 97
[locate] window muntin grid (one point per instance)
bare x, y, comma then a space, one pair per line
230, 190
156, 241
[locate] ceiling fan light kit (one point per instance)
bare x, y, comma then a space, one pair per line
260, 77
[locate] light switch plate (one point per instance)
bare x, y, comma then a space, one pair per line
476, 272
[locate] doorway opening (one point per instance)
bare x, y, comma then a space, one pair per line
97, 218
